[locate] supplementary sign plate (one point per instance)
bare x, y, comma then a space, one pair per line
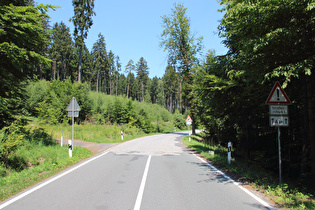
73, 114
277, 121
278, 110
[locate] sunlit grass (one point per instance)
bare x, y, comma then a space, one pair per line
41, 162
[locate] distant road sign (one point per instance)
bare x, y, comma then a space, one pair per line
73, 106
188, 120
278, 110
277, 121
278, 96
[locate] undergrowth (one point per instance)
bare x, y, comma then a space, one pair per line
29, 155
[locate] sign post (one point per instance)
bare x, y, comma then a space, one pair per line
73, 111
278, 102
189, 122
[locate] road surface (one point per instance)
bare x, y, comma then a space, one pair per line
155, 172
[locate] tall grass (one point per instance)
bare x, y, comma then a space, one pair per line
39, 162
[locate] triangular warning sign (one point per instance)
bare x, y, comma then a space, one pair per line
277, 96
73, 106
188, 119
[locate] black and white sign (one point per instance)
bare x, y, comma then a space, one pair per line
278, 121
278, 110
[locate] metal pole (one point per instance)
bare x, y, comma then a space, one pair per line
72, 126
279, 147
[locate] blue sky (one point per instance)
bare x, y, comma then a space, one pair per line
132, 29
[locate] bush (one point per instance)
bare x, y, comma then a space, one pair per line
10, 138
179, 120
51, 106
35, 94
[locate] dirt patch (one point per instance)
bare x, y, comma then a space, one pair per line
93, 147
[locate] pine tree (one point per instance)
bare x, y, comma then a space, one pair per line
130, 67
142, 74
99, 56
82, 20
61, 49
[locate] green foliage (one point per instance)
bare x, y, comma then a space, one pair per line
50, 100
82, 20
40, 162
179, 120
35, 94
52, 107
269, 35
61, 50
23, 39
111, 109
10, 138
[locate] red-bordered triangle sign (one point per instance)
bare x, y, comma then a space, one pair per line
278, 96
188, 119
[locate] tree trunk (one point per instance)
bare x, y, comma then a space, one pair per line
41, 71
116, 84
128, 85
304, 128
54, 70
142, 92
193, 124
79, 68
171, 103
310, 80
180, 98
97, 79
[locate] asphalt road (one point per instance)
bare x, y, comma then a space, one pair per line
155, 172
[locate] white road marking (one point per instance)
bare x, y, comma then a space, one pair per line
49, 181
237, 184
142, 185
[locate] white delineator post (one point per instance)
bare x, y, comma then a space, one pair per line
70, 148
122, 135
61, 142
229, 152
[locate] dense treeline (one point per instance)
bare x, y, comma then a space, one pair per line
268, 41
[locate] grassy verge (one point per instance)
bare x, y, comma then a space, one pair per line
283, 195
41, 162
108, 133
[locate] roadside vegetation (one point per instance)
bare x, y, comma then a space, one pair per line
28, 149
287, 195
29, 155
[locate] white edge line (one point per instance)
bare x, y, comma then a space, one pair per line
5, 204
237, 184
142, 185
